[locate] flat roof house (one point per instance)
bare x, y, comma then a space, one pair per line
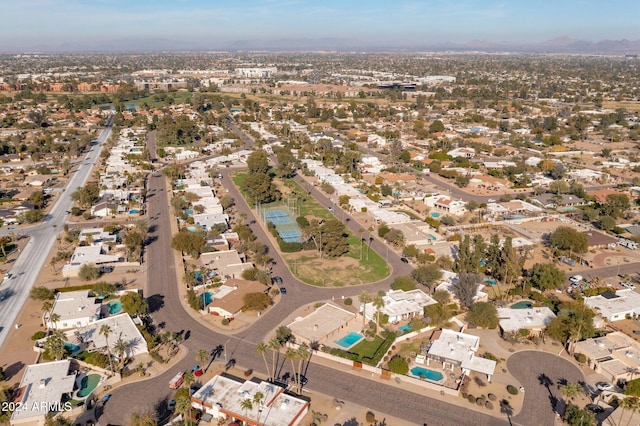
84, 255
615, 306
615, 355
122, 327
41, 390
401, 305
321, 324
533, 319
75, 309
227, 264
233, 301
456, 349
221, 398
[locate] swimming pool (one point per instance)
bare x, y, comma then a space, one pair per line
489, 281
522, 305
114, 307
206, 297
349, 340
425, 373
435, 215
87, 385
405, 328
431, 237
73, 348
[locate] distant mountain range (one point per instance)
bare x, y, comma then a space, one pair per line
556, 45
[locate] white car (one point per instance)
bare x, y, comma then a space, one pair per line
491, 200
628, 285
575, 278
603, 386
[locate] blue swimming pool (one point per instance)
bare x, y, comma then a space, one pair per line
349, 340
432, 237
88, 384
134, 211
73, 348
425, 373
523, 304
489, 281
206, 297
435, 215
114, 307
405, 328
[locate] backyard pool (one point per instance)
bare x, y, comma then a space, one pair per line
425, 373
134, 211
88, 384
405, 328
114, 307
349, 340
522, 305
489, 281
207, 297
435, 215
73, 348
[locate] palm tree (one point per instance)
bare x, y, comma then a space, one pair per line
54, 318
378, 303
275, 346
302, 354
291, 354
261, 348
106, 330
121, 348
183, 406
258, 397
246, 404
364, 298
571, 390
55, 345
202, 356
47, 305
188, 379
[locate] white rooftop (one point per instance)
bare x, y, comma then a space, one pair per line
460, 347
515, 319
122, 327
617, 307
43, 384
75, 305
320, 323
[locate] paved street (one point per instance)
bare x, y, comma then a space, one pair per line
14, 292
541, 374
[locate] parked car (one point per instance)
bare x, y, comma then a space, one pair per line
303, 379
404, 259
628, 285
277, 280
171, 405
575, 278
604, 386
596, 409
283, 290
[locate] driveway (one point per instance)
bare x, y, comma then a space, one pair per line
541, 374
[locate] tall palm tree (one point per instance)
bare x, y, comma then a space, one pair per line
54, 319
55, 345
106, 330
202, 356
291, 354
121, 348
183, 406
258, 398
261, 348
275, 346
188, 380
302, 354
378, 303
246, 404
47, 305
364, 298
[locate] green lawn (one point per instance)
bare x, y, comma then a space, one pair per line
366, 348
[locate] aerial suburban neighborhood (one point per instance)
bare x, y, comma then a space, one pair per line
298, 238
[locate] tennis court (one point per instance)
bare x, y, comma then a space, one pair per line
289, 235
277, 217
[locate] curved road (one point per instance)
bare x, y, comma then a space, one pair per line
167, 307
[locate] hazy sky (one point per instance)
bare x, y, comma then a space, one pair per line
220, 24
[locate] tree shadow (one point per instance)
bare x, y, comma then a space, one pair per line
546, 382
351, 422
506, 409
155, 302
13, 369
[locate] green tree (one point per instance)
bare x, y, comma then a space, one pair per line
183, 406
88, 272
188, 242
103, 289
398, 365
427, 275
574, 322
403, 283
378, 303
255, 301
261, 348
575, 416
51, 419
616, 205
142, 419
436, 126
227, 201
134, 304
329, 237
260, 188
607, 223
483, 314
86, 195
571, 390
283, 335
258, 162
567, 238
546, 276
364, 297
202, 356
54, 345
42, 293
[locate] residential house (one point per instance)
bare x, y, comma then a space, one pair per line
615, 306
73, 309
553, 201
597, 239
86, 255
105, 208
455, 349
400, 305
221, 399
535, 320
209, 221
42, 389
226, 264
462, 152
445, 204
232, 303
322, 325
94, 236
615, 355
123, 328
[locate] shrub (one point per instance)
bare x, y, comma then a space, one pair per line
225, 321
512, 390
488, 405
492, 397
398, 365
370, 417
38, 335
471, 399
348, 301
480, 400
581, 358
